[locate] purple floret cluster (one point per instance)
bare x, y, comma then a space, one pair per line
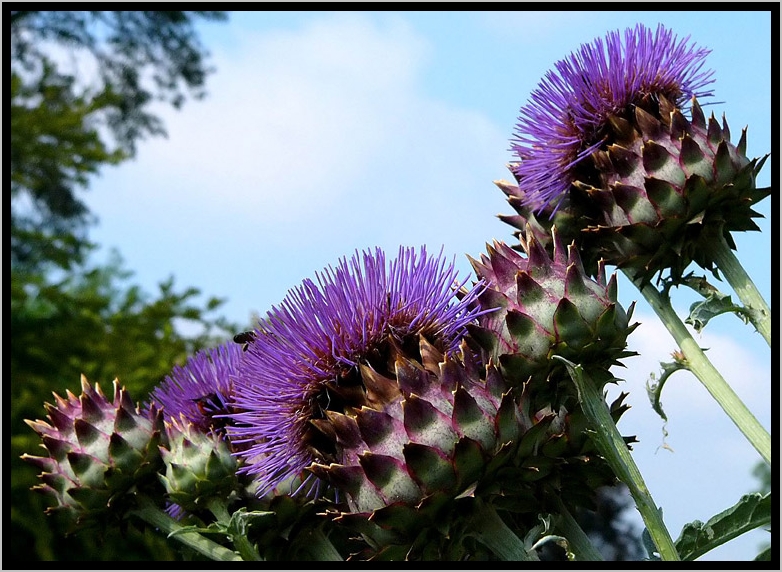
564, 121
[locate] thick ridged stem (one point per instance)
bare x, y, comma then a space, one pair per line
704, 370
578, 540
151, 514
320, 548
758, 311
491, 530
612, 446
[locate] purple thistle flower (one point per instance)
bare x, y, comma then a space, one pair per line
201, 389
302, 362
569, 111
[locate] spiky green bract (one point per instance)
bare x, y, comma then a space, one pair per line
199, 393
435, 433
656, 195
199, 466
426, 425
574, 215
548, 306
100, 452
668, 187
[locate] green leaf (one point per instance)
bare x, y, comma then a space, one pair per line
714, 304
491, 531
577, 544
764, 556
697, 538
654, 390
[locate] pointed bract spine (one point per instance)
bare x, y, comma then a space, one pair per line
100, 451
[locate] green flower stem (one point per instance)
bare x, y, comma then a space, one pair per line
240, 541
578, 540
699, 364
151, 514
319, 547
758, 311
611, 445
491, 530
219, 510
245, 548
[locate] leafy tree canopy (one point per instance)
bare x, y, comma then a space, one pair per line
65, 126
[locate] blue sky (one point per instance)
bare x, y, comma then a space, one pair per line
328, 132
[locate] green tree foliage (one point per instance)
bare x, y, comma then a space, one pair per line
54, 148
66, 124
69, 316
762, 472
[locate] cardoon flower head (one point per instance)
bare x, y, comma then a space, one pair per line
193, 398
607, 156
546, 307
101, 453
572, 108
305, 363
199, 467
199, 390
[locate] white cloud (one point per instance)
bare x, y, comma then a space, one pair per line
312, 142
288, 112
298, 121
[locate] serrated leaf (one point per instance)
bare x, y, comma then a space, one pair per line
213, 528
241, 519
698, 538
715, 304
654, 390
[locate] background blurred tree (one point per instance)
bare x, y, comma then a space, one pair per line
68, 316
762, 472
611, 533
81, 88
617, 538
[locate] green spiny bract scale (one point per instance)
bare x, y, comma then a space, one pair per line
570, 219
430, 426
555, 458
548, 306
439, 432
426, 431
660, 191
199, 466
101, 451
